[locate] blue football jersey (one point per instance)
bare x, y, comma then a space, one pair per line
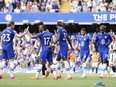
8, 36
63, 33
102, 40
45, 38
84, 42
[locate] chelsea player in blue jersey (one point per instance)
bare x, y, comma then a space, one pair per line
84, 41
62, 38
102, 41
46, 51
8, 35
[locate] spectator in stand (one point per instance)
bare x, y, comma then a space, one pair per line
29, 6
23, 7
1, 4
55, 6
17, 10
34, 7
9, 6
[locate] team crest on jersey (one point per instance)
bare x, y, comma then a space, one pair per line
84, 39
102, 41
105, 36
82, 43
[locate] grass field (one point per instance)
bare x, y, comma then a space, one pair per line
23, 80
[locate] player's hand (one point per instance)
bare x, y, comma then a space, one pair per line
26, 30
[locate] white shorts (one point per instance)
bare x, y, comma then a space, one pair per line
113, 57
95, 64
72, 64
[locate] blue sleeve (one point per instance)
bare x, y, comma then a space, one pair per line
110, 39
58, 31
14, 32
39, 35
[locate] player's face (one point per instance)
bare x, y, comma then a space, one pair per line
102, 30
13, 25
83, 32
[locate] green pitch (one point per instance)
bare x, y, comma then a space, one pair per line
23, 80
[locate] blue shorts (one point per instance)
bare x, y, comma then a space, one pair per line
103, 54
63, 52
84, 55
8, 53
46, 54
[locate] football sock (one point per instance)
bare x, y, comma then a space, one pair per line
54, 70
108, 71
39, 70
1, 68
11, 68
84, 69
67, 67
104, 66
58, 68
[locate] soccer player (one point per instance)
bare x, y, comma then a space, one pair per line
84, 41
62, 37
46, 51
8, 35
102, 41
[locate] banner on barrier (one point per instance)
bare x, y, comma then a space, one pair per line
53, 17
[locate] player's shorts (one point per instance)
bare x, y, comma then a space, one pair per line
72, 64
84, 55
103, 54
94, 64
63, 52
8, 53
46, 54
112, 58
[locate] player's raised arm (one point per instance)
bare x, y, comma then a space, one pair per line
20, 35
32, 36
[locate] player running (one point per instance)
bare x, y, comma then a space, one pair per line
84, 41
102, 41
46, 51
8, 35
62, 38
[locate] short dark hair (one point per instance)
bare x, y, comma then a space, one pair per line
60, 24
10, 23
83, 29
39, 23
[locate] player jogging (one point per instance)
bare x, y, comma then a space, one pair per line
102, 41
84, 41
